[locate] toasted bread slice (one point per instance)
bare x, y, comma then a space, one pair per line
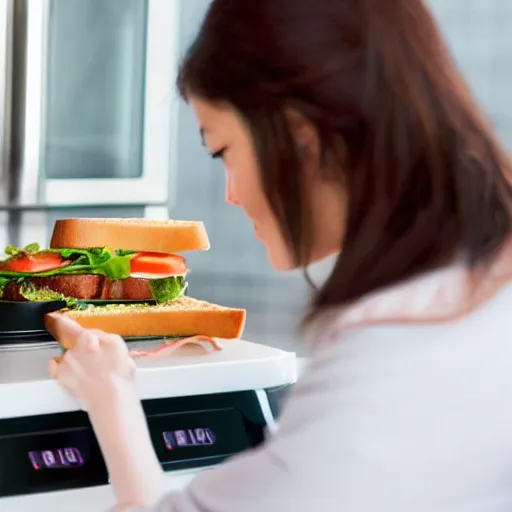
142, 235
182, 317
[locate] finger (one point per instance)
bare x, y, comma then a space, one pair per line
98, 332
109, 341
91, 342
87, 342
64, 374
63, 329
106, 339
53, 368
71, 365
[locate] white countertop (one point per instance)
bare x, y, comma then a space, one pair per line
26, 388
91, 499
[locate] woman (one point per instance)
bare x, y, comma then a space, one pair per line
346, 131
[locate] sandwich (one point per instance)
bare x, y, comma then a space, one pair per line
87, 260
122, 276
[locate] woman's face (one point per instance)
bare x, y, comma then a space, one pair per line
226, 136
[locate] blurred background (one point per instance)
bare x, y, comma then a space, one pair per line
92, 126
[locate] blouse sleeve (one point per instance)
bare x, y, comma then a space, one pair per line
282, 474
396, 418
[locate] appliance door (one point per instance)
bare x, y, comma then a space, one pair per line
82, 500
96, 88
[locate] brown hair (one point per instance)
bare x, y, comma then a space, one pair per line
424, 176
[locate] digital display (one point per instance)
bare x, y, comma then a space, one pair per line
59, 458
190, 437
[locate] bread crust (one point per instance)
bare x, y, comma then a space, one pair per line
142, 235
84, 286
182, 317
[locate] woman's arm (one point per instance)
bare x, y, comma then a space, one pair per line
101, 374
99, 371
280, 475
120, 426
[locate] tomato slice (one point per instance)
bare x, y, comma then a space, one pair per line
34, 263
158, 264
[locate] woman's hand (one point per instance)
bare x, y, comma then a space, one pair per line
101, 374
99, 364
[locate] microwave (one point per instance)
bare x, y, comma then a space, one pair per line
87, 103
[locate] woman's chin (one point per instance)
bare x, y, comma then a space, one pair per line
280, 262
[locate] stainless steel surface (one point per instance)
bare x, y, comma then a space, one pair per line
17, 347
15, 341
159, 100
23, 101
43, 167
32, 111
6, 35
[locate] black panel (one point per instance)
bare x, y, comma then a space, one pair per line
181, 440
47, 453
17, 317
59, 451
235, 418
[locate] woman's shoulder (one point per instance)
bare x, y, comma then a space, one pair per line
389, 366
441, 316
442, 299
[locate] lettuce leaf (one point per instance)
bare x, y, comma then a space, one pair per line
168, 289
11, 250
3, 283
34, 294
115, 268
91, 257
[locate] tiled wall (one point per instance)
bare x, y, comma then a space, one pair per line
479, 32
235, 271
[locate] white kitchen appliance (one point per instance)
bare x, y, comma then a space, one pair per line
201, 408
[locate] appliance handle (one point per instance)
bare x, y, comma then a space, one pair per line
29, 50
6, 30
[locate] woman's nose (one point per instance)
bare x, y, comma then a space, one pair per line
230, 196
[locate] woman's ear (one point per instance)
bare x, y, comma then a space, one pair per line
306, 138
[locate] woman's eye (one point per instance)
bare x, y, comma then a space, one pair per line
218, 154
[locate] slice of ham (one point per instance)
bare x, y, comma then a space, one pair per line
169, 347
205, 342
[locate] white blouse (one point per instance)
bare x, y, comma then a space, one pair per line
405, 407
